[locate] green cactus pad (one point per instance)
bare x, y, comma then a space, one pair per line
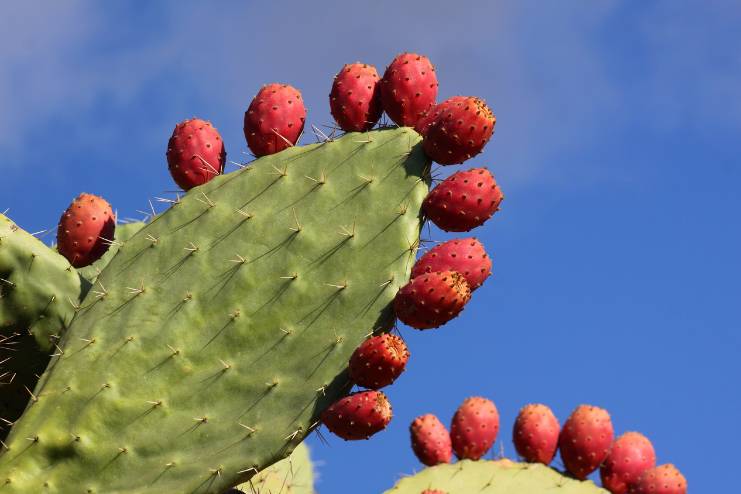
38, 287
217, 335
493, 477
38, 293
124, 231
293, 475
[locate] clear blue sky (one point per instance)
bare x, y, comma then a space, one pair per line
617, 252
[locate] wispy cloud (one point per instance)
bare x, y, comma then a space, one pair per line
547, 68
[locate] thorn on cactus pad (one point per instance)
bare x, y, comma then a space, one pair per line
249, 429
243, 213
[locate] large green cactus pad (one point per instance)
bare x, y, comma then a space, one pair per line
293, 475
38, 294
493, 477
219, 332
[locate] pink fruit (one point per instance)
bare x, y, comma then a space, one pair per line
355, 100
430, 440
378, 361
358, 416
460, 131
195, 153
408, 88
630, 455
433, 491
432, 299
664, 479
85, 230
274, 120
585, 440
464, 255
464, 200
474, 428
424, 122
536, 434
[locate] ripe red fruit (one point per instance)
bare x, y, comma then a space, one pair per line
430, 300
423, 124
358, 416
195, 153
630, 456
275, 119
460, 131
464, 200
466, 256
430, 440
378, 361
85, 230
535, 434
408, 88
355, 100
474, 428
585, 440
664, 479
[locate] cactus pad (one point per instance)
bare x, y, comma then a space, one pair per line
493, 477
38, 287
293, 475
216, 336
38, 293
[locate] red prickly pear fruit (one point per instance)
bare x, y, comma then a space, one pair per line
535, 434
378, 361
423, 124
432, 299
664, 479
408, 88
466, 256
464, 200
85, 230
430, 440
630, 455
585, 440
460, 131
355, 100
195, 153
474, 428
275, 119
358, 416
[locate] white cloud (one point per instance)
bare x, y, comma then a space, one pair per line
547, 68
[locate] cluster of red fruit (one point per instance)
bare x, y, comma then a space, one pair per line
379, 360
627, 464
453, 131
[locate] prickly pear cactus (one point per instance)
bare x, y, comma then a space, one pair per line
124, 231
219, 332
38, 294
292, 475
493, 477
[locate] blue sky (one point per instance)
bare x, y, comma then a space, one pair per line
617, 251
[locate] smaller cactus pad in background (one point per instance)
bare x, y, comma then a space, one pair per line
38, 294
493, 477
293, 475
